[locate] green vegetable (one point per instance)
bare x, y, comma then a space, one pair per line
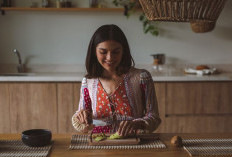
115, 136
100, 137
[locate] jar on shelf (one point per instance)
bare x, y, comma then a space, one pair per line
93, 3
63, 4
159, 60
6, 3
45, 3
68, 4
58, 4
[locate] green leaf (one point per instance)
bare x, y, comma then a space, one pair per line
129, 9
115, 2
141, 17
155, 32
145, 23
151, 27
146, 30
131, 5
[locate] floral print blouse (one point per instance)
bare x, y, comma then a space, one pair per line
135, 99
118, 99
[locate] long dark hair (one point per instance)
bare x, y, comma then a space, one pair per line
104, 33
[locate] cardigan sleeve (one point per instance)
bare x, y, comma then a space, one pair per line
151, 118
76, 124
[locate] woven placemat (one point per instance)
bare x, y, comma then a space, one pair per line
205, 147
16, 148
81, 142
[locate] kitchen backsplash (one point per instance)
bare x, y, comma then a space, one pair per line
72, 68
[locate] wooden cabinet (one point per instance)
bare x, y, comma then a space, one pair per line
38, 105
195, 107
4, 108
198, 124
161, 99
33, 105
199, 98
184, 107
68, 99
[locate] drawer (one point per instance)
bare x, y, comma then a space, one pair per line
199, 98
198, 124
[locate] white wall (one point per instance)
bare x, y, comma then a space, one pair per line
63, 37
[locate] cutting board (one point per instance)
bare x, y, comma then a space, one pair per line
114, 142
132, 140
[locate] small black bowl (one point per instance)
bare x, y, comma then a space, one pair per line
36, 137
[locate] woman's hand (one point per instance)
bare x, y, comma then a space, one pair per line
84, 117
128, 127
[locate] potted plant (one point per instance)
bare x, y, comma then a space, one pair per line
131, 6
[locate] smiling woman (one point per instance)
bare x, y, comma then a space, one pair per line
121, 97
102, 41
109, 54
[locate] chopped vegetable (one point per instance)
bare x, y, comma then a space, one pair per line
99, 137
115, 136
102, 136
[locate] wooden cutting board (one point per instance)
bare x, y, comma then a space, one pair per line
114, 142
125, 141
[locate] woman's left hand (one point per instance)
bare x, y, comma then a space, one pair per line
127, 127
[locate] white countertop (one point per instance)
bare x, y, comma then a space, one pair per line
77, 77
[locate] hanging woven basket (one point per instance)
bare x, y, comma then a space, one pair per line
201, 26
182, 10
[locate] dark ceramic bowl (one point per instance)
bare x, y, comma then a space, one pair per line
36, 137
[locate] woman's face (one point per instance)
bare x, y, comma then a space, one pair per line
109, 54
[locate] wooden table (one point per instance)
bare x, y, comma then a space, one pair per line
62, 142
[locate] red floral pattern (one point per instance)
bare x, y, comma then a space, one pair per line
87, 100
118, 98
100, 129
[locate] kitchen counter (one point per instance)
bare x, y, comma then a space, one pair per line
62, 142
44, 77
77, 77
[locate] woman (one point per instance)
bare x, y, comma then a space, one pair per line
117, 96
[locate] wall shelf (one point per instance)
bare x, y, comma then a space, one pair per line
63, 9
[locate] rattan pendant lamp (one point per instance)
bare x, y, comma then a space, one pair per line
202, 14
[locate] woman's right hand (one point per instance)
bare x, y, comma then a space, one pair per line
84, 117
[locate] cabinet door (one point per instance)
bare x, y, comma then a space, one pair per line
68, 99
4, 108
199, 98
33, 105
199, 124
195, 107
77, 88
160, 95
